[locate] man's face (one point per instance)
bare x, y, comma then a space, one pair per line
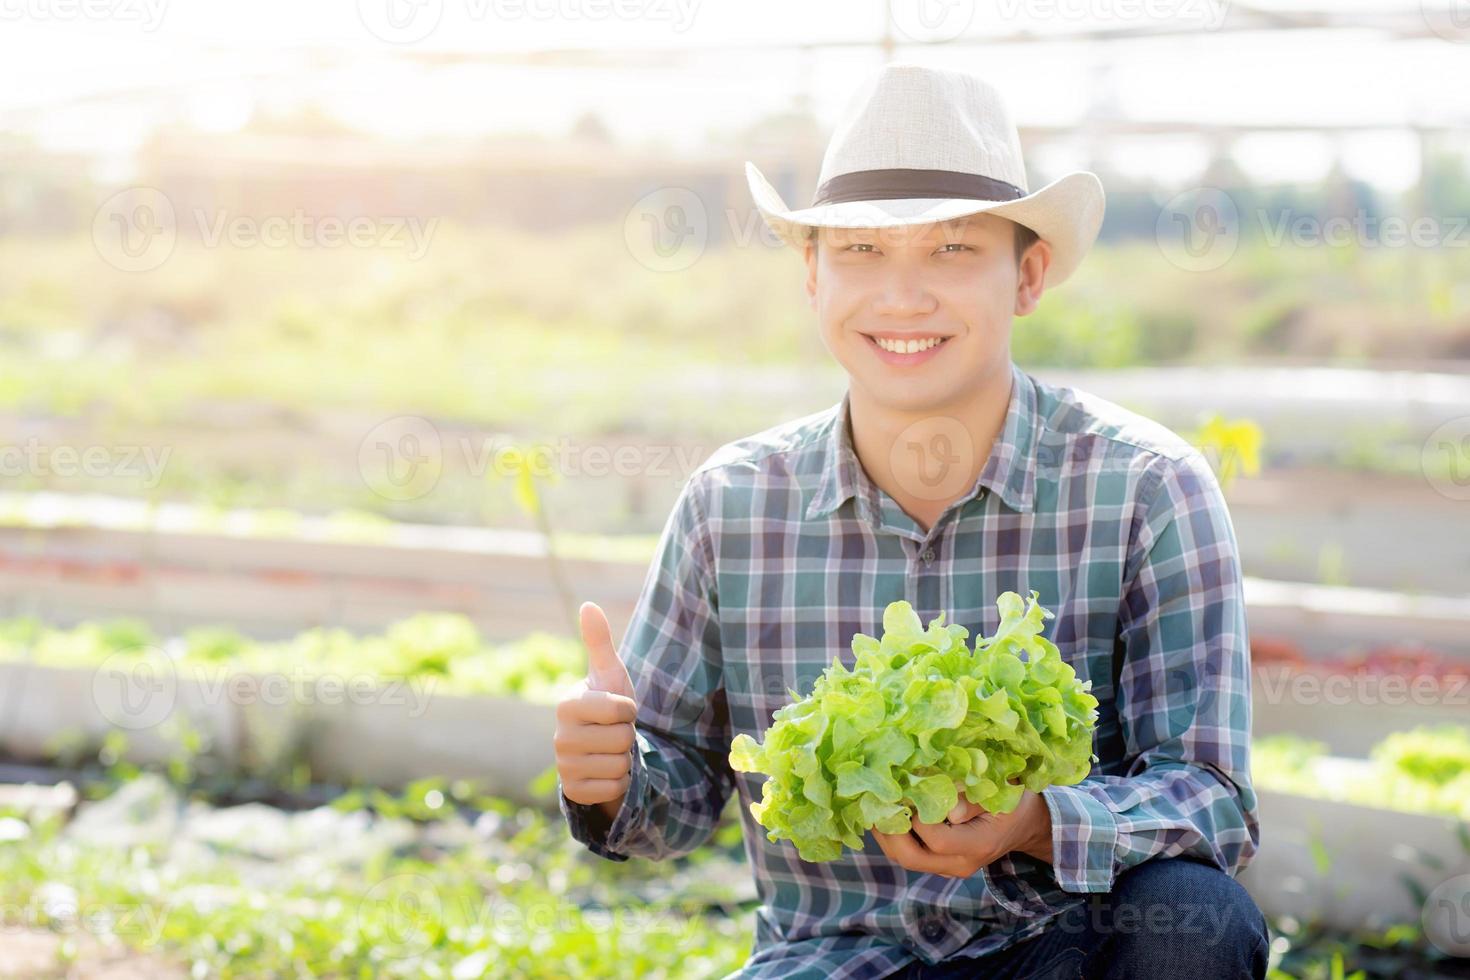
956, 282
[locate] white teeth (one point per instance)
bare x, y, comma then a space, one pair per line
907, 346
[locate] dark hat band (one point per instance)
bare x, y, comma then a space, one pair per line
878, 185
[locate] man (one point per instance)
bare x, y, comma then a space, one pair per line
945, 477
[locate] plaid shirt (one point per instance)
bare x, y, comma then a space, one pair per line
780, 548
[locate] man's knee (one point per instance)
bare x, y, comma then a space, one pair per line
1177, 917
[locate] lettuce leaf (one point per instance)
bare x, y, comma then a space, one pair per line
919, 720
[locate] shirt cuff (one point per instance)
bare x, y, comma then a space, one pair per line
587, 824
590, 825
1020, 883
1084, 839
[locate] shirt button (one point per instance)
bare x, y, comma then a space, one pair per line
928, 555
932, 929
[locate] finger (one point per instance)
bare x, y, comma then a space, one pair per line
885, 847
597, 708
907, 851
601, 766
605, 670
963, 849
592, 791
944, 840
589, 739
903, 848
964, 811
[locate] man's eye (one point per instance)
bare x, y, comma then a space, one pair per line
858, 245
955, 245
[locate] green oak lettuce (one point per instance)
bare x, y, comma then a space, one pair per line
919, 719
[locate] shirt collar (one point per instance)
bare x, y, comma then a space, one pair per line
1009, 472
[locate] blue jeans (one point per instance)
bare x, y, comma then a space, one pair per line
1165, 919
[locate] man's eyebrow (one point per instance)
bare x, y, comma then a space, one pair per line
944, 233
960, 229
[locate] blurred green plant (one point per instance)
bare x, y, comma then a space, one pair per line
435, 881
1422, 770
518, 464
443, 648
1332, 564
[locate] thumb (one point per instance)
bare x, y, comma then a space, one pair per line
605, 670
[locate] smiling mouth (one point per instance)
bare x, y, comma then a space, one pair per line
912, 345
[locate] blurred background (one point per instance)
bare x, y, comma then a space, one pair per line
344, 350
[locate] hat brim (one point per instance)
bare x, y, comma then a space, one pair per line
1067, 213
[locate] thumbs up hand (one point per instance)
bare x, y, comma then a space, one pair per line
605, 670
594, 738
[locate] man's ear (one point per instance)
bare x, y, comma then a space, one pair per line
811, 272
1031, 274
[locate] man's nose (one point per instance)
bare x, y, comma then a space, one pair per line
904, 293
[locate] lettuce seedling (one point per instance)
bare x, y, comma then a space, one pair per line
917, 720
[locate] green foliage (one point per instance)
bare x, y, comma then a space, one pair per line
1309, 951
919, 719
85, 645
416, 886
1423, 770
1062, 332
483, 327
214, 644
444, 649
1439, 755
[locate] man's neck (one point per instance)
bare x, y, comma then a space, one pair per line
927, 460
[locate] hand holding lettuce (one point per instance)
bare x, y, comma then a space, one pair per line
919, 718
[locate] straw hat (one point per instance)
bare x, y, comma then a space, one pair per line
917, 145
